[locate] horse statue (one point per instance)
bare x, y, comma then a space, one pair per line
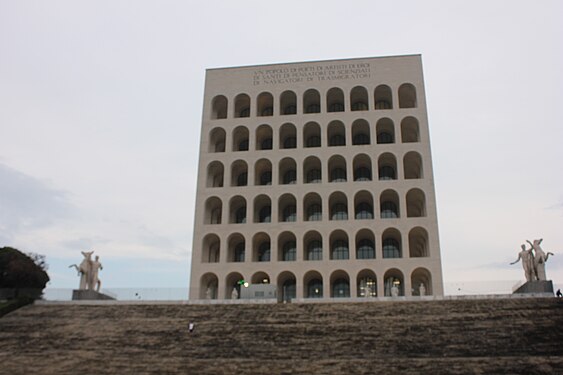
85, 270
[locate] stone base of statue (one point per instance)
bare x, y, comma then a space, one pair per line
89, 295
540, 286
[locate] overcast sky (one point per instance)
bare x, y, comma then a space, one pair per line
100, 115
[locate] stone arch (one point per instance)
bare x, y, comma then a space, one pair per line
286, 283
312, 135
264, 136
416, 203
421, 276
237, 210
265, 104
410, 131
287, 247
335, 100
313, 285
261, 247
209, 286
338, 203
219, 106
232, 281
213, 210
313, 245
217, 138
242, 105
366, 282
418, 243
311, 101
287, 171
263, 172
239, 173
236, 248
287, 208
359, 99
288, 136
360, 133
383, 97
211, 249
391, 243
240, 138
339, 245
412, 163
339, 284
215, 172
392, 277
262, 209
288, 103
407, 96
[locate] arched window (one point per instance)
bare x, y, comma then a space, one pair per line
263, 172
264, 137
289, 290
367, 284
340, 249
315, 250
265, 214
219, 107
364, 211
383, 97
335, 100
360, 133
312, 101
240, 139
288, 103
407, 96
339, 212
387, 167
240, 215
265, 104
389, 210
314, 212
359, 98
290, 213
287, 170
239, 252
365, 249
238, 210
412, 163
418, 243
288, 136
336, 134
362, 174
391, 248
312, 134
314, 176
215, 174
289, 251
416, 203
338, 175
211, 249
341, 288
393, 282
242, 105
217, 140
385, 130
315, 288
387, 173
264, 252
409, 130
242, 179
290, 177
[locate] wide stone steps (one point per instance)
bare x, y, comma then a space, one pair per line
437, 337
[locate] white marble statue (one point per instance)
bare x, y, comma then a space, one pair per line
208, 293
234, 294
88, 272
94, 279
394, 291
527, 258
367, 291
540, 258
422, 289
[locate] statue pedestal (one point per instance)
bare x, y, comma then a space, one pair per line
92, 295
542, 286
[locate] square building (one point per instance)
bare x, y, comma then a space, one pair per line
316, 177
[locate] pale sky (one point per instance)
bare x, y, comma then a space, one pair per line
100, 115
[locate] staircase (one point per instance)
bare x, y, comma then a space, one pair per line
489, 336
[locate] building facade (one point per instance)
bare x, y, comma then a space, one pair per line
316, 177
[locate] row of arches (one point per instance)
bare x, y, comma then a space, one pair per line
361, 133
312, 171
313, 247
313, 284
334, 100
362, 207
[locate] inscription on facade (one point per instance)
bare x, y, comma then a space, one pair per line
331, 72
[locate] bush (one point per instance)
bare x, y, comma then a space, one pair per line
21, 271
